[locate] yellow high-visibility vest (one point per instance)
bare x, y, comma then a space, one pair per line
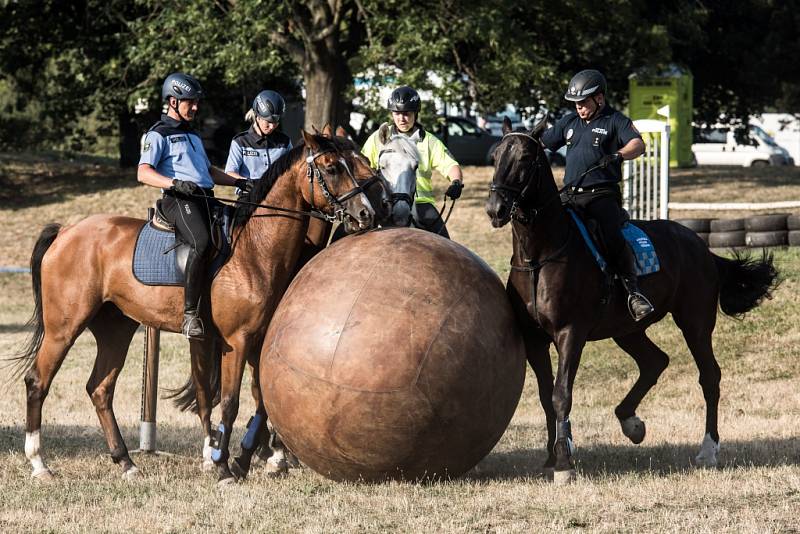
432, 155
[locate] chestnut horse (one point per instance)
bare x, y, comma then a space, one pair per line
558, 294
82, 278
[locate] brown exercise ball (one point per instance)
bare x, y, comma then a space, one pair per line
393, 355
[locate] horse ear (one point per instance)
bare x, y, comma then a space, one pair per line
506, 125
327, 130
310, 140
341, 132
540, 127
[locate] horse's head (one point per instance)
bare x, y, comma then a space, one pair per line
333, 185
398, 162
517, 178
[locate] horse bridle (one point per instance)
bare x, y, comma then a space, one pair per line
315, 174
394, 198
516, 195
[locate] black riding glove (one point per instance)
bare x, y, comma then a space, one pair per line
608, 159
184, 187
454, 191
244, 185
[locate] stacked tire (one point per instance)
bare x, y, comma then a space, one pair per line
773, 230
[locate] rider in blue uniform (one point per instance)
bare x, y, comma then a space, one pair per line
597, 134
254, 151
173, 158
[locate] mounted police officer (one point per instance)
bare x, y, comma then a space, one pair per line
254, 151
173, 158
599, 135
404, 104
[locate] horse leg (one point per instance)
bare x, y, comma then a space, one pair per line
231, 380
699, 341
256, 431
570, 346
203, 352
537, 346
113, 333
60, 332
651, 361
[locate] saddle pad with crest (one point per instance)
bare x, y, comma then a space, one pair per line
643, 249
154, 258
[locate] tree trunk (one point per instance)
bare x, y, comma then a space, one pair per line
325, 74
129, 134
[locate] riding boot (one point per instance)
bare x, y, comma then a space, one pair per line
638, 305
193, 289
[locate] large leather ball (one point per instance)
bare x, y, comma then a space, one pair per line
393, 355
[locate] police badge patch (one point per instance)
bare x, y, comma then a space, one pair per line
145, 146
569, 134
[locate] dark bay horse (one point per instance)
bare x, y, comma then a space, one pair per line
82, 278
557, 291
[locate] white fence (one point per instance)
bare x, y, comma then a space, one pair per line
645, 185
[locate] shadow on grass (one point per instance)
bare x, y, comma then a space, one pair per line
661, 460
27, 181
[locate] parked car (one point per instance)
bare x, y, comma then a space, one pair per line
469, 143
719, 146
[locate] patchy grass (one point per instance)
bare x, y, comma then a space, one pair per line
651, 487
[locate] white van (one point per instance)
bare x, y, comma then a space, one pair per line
718, 146
784, 128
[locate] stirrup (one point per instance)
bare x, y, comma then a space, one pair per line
634, 296
192, 326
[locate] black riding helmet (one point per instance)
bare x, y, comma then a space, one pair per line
586, 83
181, 86
404, 99
269, 105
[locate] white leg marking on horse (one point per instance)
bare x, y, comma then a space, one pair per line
633, 428
131, 473
32, 446
208, 463
708, 452
277, 464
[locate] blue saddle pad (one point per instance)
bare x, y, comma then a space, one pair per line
151, 266
643, 249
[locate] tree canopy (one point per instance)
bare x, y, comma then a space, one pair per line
63, 63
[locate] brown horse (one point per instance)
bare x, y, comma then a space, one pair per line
558, 293
82, 278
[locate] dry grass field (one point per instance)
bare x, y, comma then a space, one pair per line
652, 487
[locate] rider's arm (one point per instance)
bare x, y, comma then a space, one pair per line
235, 160
633, 149
220, 177
455, 173
443, 161
370, 150
153, 145
147, 175
553, 137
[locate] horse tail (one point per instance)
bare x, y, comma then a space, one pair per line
185, 397
24, 359
745, 282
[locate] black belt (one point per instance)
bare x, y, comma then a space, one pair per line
200, 191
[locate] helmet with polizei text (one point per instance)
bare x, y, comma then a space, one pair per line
586, 83
404, 99
269, 105
181, 86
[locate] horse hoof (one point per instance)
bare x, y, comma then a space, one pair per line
292, 461
548, 473
277, 468
634, 428
207, 465
43, 475
708, 455
132, 473
561, 478
238, 471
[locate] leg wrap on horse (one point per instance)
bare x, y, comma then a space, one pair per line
250, 440
564, 431
219, 443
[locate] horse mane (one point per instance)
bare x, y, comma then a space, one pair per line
263, 186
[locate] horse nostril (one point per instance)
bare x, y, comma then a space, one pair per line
363, 215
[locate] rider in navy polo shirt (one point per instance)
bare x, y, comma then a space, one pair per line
597, 134
254, 151
173, 158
